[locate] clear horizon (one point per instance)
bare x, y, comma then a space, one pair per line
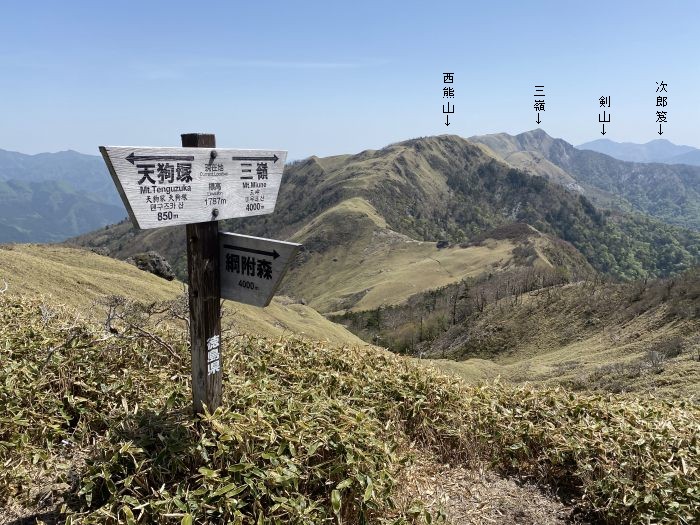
319, 79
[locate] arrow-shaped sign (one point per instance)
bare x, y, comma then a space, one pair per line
274, 158
205, 188
137, 158
272, 254
252, 280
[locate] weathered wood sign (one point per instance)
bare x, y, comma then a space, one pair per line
251, 268
198, 185
169, 186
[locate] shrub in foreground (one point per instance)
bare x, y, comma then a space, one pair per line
307, 433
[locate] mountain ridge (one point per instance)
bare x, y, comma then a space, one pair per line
658, 150
670, 193
370, 223
49, 197
294, 410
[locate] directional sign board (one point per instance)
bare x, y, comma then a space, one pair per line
169, 186
252, 268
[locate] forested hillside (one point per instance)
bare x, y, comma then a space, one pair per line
669, 192
430, 189
52, 196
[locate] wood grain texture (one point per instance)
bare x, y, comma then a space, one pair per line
205, 308
170, 186
252, 268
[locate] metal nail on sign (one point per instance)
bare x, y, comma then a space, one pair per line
251, 268
170, 186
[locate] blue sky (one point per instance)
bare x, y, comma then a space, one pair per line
335, 77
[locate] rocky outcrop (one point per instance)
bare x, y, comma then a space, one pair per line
154, 263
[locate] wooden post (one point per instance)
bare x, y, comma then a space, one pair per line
205, 303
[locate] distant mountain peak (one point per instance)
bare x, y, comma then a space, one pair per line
670, 193
537, 132
657, 150
62, 153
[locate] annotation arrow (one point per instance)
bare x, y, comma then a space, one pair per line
136, 158
447, 120
603, 132
660, 132
272, 254
274, 158
538, 118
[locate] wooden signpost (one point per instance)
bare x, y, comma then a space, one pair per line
198, 185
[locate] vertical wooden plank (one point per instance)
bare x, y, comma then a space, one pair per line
205, 304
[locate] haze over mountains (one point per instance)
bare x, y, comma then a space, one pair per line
49, 197
659, 150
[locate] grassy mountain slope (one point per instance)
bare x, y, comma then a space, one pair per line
383, 268
640, 337
540, 324
79, 278
388, 270
668, 192
426, 190
99, 430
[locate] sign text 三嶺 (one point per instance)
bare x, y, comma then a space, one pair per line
170, 186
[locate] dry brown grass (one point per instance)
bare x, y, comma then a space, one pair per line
78, 278
477, 495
